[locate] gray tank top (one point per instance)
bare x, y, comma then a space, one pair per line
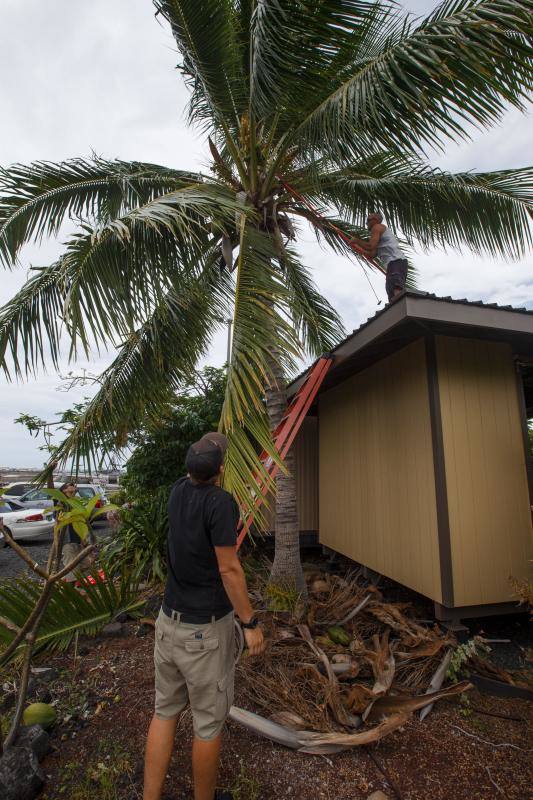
388, 248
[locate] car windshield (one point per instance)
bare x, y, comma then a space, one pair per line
86, 491
5, 509
18, 489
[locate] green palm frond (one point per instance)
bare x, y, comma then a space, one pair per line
489, 212
206, 35
317, 324
112, 277
301, 48
36, 199
70, 610
31, 322
261, 324
150, 367
463, 63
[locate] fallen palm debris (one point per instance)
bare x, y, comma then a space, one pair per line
346, 671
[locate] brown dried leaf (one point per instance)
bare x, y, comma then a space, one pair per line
387, 705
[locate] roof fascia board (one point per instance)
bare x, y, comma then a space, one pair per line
361, 338
431, 310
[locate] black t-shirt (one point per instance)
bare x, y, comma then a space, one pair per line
201, 517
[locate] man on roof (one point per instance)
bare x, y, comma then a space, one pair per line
384, 245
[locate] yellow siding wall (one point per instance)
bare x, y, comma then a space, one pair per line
376, 475
306, 455
488, 501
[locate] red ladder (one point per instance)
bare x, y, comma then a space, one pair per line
284, 436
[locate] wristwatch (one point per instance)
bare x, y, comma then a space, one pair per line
252, 625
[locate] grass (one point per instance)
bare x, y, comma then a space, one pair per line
282, 598
245, 786
103, 778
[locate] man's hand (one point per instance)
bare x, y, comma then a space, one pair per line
255, 641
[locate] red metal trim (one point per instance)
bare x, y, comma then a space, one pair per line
285, 434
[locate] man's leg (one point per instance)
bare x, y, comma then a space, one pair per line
159, 747
205, 760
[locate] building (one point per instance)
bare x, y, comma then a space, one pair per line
414, 459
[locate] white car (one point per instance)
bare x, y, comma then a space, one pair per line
14, 491
25, 523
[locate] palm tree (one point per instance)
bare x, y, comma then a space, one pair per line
304, 104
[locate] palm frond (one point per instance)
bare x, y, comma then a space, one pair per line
111, 278
300, 49
261, 325
206, 35
31, 322
70, 610
36, 199
462, 64
317, 324
490, 212
151, 365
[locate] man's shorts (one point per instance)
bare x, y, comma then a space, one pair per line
195, 664
396, 276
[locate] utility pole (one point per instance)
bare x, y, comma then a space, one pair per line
229, 323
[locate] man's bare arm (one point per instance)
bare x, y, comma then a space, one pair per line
370, 247
232, 575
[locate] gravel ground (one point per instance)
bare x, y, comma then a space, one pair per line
11, 565
104, 700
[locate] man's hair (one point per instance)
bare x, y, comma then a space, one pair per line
64, 486
377, 214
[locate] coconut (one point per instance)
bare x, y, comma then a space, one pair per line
42, 714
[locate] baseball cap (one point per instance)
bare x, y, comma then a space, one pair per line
216, 438
204, 459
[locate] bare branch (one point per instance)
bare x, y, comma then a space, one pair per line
72, 564
9, 625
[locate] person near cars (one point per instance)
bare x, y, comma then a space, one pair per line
71, 542
194, 634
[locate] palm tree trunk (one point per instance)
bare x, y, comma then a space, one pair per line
287, 567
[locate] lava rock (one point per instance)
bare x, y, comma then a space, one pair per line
21, 777
44, 674
35, 737
121, 617
113, 629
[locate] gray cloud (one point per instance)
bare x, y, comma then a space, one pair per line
100, 76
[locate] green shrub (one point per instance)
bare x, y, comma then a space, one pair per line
140, 541
117, 498
158, 457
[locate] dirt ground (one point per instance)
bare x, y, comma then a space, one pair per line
104, 698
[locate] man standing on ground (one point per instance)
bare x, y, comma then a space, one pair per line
194, 634
384, 245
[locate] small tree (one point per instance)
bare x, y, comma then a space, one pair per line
80, 514
158, 458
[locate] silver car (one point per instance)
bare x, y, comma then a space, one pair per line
25, 523
39, 498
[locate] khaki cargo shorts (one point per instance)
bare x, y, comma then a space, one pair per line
195, 664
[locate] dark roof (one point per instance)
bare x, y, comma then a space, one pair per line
413, 314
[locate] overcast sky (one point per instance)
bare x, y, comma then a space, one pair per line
79, 77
